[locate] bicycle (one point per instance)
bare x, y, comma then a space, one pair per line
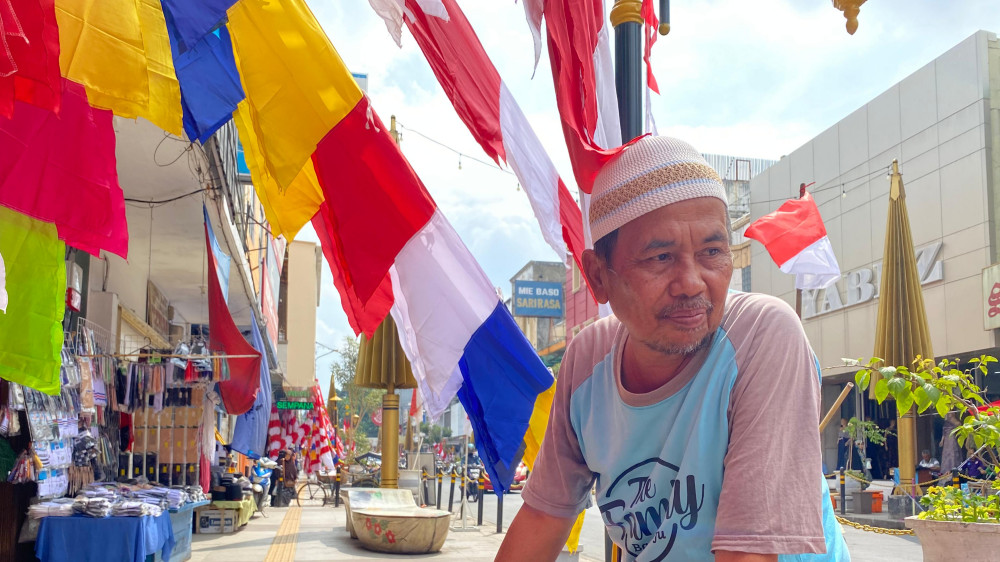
312, 494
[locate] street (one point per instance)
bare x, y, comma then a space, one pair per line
864, 546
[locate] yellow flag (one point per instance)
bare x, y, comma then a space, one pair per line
537, 424
119, 50
533, 443
287, 210
296, 84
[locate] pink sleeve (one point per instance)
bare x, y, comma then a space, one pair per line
771, 496
560, 481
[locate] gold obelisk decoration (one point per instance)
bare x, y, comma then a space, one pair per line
382, 364
901, 330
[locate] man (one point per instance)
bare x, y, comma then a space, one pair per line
696, 410
928, 462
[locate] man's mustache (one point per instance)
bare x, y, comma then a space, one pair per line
688, 304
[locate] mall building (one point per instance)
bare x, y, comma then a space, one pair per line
942, 123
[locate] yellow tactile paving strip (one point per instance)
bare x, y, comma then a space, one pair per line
283, 547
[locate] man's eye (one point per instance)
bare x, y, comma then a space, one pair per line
713, 251
661, 257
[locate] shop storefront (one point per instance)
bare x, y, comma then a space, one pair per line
938, 123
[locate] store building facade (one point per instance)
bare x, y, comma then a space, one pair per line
942, 124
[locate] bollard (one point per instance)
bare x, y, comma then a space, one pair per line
499, 513
843, 494
482, 496
336, 489
954, 478
451, 494
440, 483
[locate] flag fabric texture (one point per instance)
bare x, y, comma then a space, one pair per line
119, 50
223, 262
209, 82
31, 334
29, 65
494, 117
250, 433
795, 237
61, 169
190, 20
240, 392
583, 73
4, 299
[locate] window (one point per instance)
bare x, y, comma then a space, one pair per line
576, 277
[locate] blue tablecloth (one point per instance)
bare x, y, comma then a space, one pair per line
128, 539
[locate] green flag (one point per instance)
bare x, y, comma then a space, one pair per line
31, 333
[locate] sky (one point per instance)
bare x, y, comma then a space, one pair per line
751, 79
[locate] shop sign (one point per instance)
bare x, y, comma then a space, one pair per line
991, 297
156, 310
863, 284
294, 405
538, 298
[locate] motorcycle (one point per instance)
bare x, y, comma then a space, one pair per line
261, 479
472, 484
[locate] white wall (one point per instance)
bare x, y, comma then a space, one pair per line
935, 123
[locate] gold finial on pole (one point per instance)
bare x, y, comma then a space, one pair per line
851, 9
626, 11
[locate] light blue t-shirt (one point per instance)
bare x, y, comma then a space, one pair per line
660, 458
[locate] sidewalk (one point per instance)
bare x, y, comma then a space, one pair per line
319, 533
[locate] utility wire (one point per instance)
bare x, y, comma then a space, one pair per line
840, 185
154, 203
460, 154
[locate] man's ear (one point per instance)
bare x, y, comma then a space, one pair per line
596, 272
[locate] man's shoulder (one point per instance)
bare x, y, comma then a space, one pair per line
752, 312
588, 348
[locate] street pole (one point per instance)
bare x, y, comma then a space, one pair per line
626, 17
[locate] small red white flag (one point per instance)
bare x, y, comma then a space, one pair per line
796, 238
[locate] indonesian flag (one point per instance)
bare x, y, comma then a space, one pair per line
796, 238
584, 76
491, 113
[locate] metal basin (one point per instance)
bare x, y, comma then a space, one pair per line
414, 530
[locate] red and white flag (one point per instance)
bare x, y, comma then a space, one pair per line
488, 109
583, 72
796, 238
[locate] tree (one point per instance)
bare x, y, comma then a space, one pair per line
357, 400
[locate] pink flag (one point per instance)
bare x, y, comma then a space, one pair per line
796, 238
61, 169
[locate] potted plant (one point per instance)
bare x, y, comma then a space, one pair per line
957, 524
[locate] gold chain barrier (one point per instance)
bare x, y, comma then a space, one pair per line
870, 529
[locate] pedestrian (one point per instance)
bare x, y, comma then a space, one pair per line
973, 466
951, 453
695, 408
843, 445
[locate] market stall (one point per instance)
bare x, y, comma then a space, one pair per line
138, 417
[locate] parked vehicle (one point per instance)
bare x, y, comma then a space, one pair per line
520, 477
262, 472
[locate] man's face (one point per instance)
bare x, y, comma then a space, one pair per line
668, 275
927, 456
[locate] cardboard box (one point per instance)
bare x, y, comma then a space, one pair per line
229, 519
166, 443
208, 520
